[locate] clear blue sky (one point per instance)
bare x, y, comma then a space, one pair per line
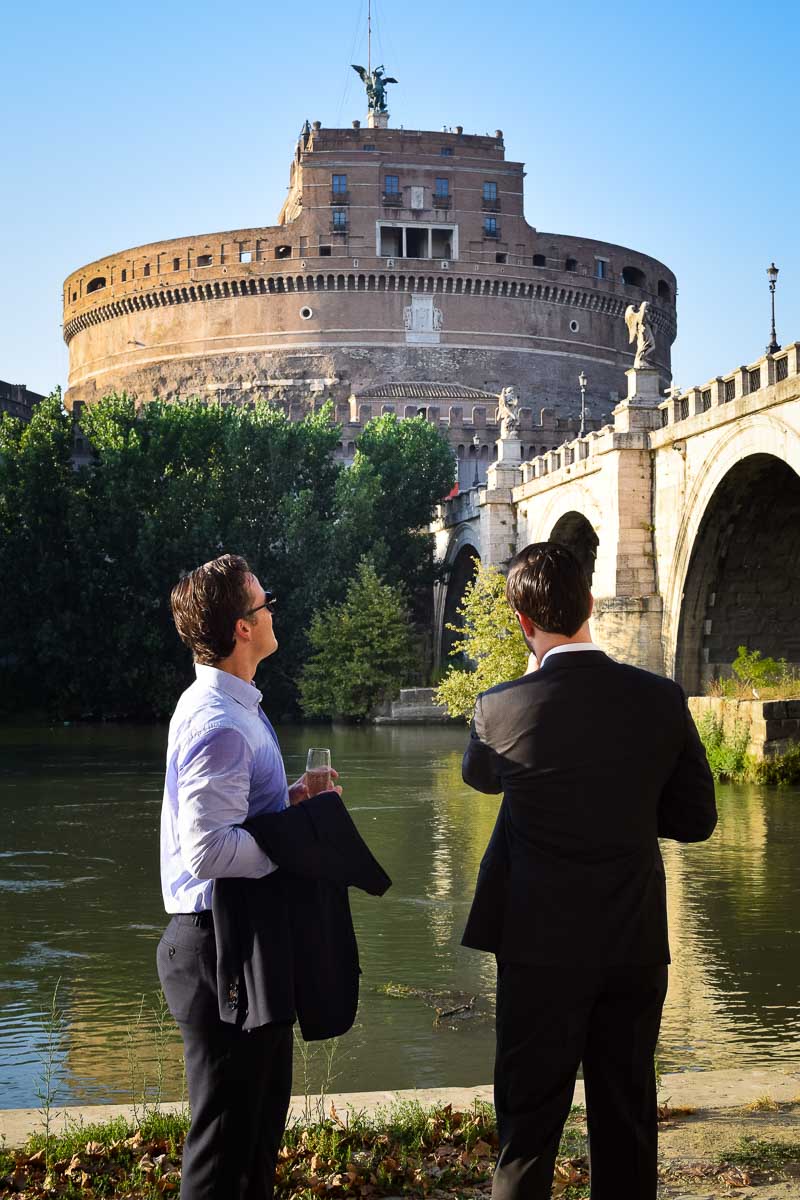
668, 128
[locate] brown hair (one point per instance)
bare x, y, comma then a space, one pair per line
207, 603
547, 584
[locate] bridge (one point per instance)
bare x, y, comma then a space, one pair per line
685, 513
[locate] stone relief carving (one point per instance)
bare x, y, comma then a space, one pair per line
640, 330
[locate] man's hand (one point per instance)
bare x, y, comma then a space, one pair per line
298, 791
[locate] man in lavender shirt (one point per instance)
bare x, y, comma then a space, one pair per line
223, 766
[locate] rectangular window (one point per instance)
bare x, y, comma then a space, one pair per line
124, 275
338, 184
146, 269
204, 260
442, 187
447, 151
176, 264
324, 251
754, 380
489, 190
392, 185
490, 226
602, 268
730, 390
245, 256
339, 218
705, 400
781, 369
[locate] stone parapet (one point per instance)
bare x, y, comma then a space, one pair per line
773, 726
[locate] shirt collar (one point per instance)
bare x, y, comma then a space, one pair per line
246, 694
568, 648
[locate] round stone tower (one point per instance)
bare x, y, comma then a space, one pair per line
401, 274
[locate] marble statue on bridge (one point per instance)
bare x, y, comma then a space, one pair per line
508, 412
640, 330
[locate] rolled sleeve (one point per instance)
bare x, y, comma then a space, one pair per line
214, 778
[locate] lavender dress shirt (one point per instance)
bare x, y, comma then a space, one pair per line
223, 766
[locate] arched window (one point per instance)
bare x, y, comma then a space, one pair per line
95, 284
664, 290
633, 276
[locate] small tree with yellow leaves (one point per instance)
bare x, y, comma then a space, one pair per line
490, 639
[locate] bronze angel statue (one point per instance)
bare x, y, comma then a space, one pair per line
375, 83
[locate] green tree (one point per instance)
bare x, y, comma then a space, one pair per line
490, 639
362, 650
39, 635
402, 469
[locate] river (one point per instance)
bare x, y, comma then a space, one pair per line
81, 909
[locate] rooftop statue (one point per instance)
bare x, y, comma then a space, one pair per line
375, 83
641, 331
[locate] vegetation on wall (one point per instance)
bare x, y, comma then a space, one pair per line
490, 640
757, 678
89, 553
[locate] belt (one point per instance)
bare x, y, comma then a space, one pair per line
203, 920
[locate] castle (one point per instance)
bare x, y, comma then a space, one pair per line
401, 276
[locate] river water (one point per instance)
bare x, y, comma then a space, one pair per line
81, 909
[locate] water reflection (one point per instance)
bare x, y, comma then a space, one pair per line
81, 903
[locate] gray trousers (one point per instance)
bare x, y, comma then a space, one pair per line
239, 1083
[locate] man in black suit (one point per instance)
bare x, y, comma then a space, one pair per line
596, 760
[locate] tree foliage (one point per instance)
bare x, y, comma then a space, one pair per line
362, 650
89, 555
489, 638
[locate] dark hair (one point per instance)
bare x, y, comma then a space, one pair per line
207, 603
547, 584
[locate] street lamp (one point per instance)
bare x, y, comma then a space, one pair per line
582, 382
772, 276
476, 441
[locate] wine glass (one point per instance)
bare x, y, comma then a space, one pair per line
318, 770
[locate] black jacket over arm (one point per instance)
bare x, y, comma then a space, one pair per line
596, 760
285, 943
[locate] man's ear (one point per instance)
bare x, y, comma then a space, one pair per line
528, 627
242, 630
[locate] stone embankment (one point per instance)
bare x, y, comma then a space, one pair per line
773, 726
414, 706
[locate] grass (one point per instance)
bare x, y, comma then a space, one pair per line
404, 1150
763, 1155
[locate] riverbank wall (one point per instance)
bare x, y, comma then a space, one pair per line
723, 1089
772, 726
414, 706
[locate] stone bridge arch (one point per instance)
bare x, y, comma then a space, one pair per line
460, 564
736, 564
572, 516
576, 532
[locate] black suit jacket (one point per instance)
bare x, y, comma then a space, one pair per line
285, 943
596, 760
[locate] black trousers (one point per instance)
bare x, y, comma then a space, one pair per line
239, 1083
549, 1021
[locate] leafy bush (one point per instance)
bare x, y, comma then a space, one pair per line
727, 753
756, 677
362, 650
490, 638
